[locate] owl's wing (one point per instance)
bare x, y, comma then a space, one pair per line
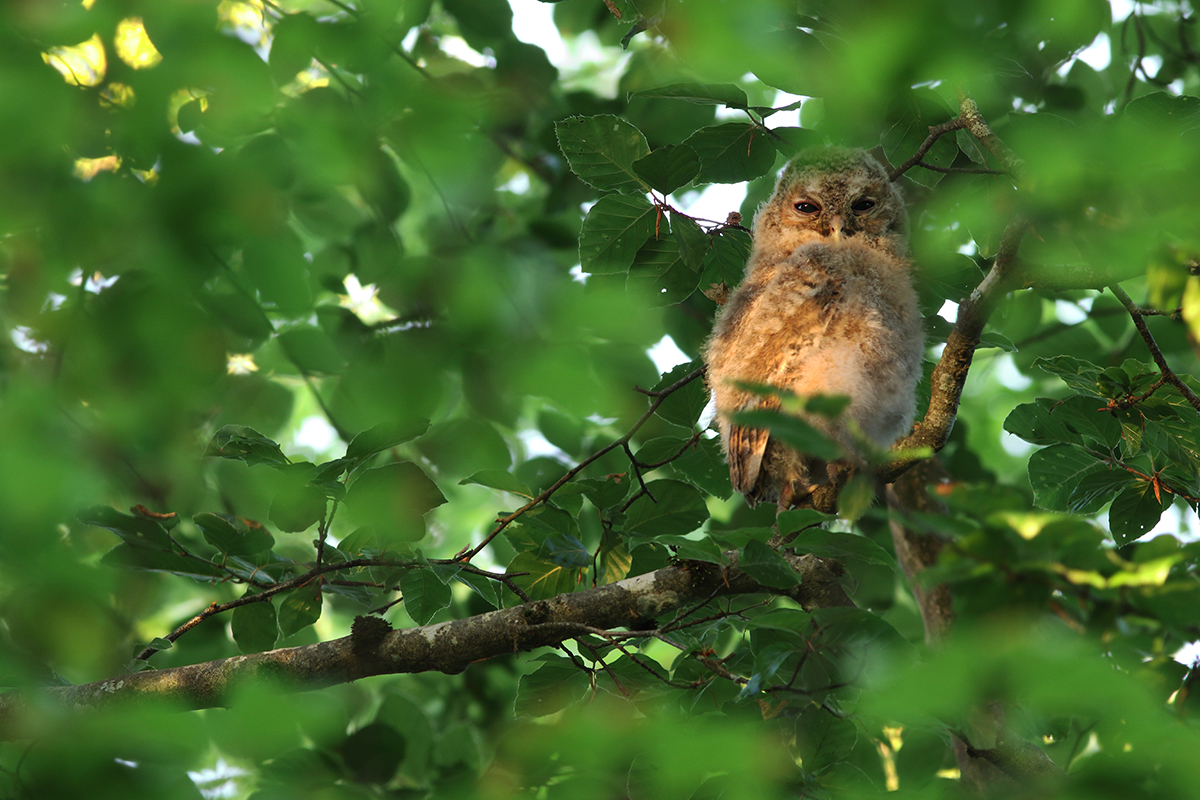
746, 447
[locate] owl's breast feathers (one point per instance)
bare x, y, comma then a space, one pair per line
833, 318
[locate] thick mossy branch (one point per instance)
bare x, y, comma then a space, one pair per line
448, 647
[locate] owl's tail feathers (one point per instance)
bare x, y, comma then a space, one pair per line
746, 447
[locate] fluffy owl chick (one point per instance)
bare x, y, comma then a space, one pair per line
826, 307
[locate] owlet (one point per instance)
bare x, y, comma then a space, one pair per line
826, 307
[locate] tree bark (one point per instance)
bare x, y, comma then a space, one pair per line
373, 648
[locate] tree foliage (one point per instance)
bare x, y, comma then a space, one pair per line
226, 229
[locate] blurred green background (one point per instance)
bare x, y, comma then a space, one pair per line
332, 222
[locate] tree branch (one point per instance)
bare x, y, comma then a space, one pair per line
449, 647
974, 122
935, 132
1139, 322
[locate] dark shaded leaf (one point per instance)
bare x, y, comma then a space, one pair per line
668, 167
613, 232
245, 444
732, 153
766, 566
677, 508
235, 536
425, 593
722, 94
137, 531
255, 628
384, 436
602, 150
373, 753
1135, 511
553, 686
300, 608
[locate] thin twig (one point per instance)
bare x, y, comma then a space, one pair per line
960, 170
505, 521
935, 132
1164, 368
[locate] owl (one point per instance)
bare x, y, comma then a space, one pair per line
826, 307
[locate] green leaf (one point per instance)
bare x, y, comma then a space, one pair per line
668, 167
606, 492
1070, 421
613, 232
602, 150
1162, 110
483, 586
725, 262
684, 405
910, 116
300, 608
393, 499
293, 44
694, 549
1082, 376
704, 466
836, 544
676, 508
1097, 488
732, 153
613, 563
234, 536
553, 686
790, 141
565, 550
297, 505
312, 351
127, 556
545, 579
137, 531
255, 627
384, 436
374, 752
244, 444
694, 243
1056, 473
499, 479
1135, 511
823, 739
425, 593
791, 430
721, 94
766, 566
659, 268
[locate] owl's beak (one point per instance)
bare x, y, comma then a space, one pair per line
837, 227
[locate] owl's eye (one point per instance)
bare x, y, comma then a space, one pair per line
866, 204
804, 207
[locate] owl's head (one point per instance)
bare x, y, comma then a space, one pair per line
835, 193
